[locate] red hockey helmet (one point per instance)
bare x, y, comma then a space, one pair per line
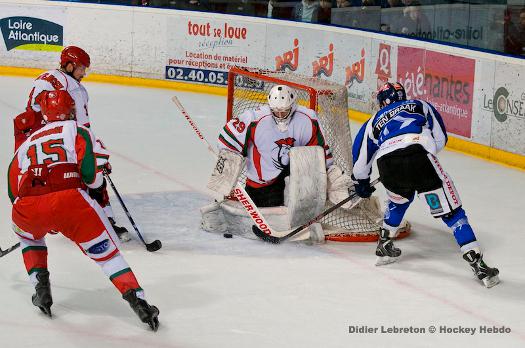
75, 55
56, 106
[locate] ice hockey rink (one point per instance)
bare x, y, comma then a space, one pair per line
217, 292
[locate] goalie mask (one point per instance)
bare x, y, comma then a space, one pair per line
283, 102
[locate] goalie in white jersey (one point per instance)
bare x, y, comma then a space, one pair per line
268, 139
74, 66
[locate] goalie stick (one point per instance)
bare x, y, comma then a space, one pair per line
151, 247
8, 250
239, 191
286, 235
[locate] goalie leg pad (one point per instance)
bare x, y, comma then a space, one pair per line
306, 192
213, 218
226, 172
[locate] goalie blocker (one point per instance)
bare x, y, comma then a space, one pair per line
304, 197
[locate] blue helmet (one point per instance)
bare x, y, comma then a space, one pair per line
390, 93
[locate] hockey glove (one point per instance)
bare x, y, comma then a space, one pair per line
107, 169
100, 194
362, 187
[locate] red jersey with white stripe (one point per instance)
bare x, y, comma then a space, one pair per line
256, 136
57, 80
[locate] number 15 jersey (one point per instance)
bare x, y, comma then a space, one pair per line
56, 145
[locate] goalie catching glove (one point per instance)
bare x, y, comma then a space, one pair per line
339, 184
227, 169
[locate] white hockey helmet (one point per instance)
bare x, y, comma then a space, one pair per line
282, 101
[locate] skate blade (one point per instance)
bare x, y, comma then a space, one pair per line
46, 311
385, 260
491, 281
154, 321
154, 324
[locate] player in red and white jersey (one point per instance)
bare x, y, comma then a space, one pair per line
47, 177
74, 65
265, 136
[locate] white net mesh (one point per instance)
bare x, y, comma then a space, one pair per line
248, 89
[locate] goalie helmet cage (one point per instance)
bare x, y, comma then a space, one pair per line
248, 88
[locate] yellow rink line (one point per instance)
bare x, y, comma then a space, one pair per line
466, 147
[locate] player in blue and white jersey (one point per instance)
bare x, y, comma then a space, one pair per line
404, 136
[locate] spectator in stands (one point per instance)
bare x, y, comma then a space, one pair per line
281, 9
243, 7
324, 14
392, 3
348, 3
415, 23
189, 5
343, 3
515, 35
367, 3
306, 11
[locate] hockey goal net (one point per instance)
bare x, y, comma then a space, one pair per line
249, 88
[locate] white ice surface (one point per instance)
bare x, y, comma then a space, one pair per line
217, 292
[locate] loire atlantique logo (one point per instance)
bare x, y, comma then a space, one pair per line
33, 34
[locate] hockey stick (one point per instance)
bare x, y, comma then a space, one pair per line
238, 191
276, 240
151, 247
8, 250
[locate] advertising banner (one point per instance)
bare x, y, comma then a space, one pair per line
31, 33
505, 105
444, 80
338, 57
204, 49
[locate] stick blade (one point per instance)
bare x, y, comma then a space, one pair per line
154, 246
265, 237
8, 250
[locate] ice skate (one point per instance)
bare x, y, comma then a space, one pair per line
386, 252
42, 297
488, 275
146, 313
122, 232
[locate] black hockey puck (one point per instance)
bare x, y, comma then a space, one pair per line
227, 235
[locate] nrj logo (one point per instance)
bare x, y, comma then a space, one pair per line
289, 60
34, 34
356, 72
325, 64
503, 106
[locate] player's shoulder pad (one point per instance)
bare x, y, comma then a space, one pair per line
253, 115
306, 111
